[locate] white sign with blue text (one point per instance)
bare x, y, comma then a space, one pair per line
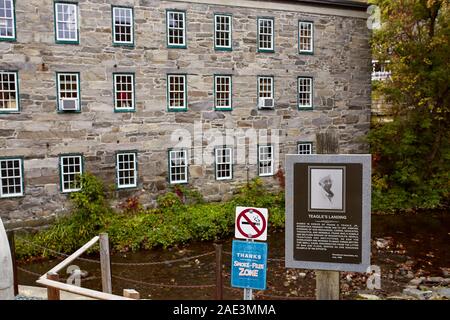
249, 265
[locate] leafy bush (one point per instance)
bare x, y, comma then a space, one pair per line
181, 216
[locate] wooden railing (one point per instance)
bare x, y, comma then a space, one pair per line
50, 279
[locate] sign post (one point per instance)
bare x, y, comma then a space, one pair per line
249, 258
328, 216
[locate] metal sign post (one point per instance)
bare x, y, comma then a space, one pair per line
248, 292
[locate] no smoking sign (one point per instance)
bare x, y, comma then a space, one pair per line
251, 223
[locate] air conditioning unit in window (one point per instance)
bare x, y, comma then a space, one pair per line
266, 103
68, 104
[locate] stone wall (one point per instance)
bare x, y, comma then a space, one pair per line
341, 67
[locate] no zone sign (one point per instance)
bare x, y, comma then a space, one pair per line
251, 223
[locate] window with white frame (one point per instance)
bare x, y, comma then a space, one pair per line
265, 87
265, 160
306, 36
71, 169
305, 92
178, 166
126, 166
11, 177
123, 25
304, 148
68, 91
265, 92
176, 92
9, 100
66, 16
222, 92
7, 20
222, 32
224, 163
265, 34
124, 92
176, 28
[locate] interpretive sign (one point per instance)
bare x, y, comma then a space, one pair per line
328, 212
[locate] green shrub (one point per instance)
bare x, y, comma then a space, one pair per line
181, 216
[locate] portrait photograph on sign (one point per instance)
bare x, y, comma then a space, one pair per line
326, 189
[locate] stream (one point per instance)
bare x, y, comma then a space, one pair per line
404, 246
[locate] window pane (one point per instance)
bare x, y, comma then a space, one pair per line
11, 178
66, 22
8, 91
123, 25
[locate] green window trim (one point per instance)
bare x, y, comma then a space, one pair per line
217, 108
176, 109
230, 32
133, 77
231, 163
311, 105
55, 23
59, 110
265, 50
136, 171
17, 109
22, 178
258, 91
14, 29
171, 45
61, 171
305, 143
122, 43
306, 52
186, 166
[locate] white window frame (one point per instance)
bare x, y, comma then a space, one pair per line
134, 171
272, 35
302, 146
58, 83
169, 92
300, 91
183, 29
132, 107
261, 161
173, 154
219, 157
218, 85
14, 176
228, 32
57, 21
4, 20
63, 173
309, 25
16, 91
131, 25
265, 92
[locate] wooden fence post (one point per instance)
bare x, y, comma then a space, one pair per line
219, 275
12, 246
327, 282
105, 263
131, 293
53, 293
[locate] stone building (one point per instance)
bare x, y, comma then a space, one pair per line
138, 92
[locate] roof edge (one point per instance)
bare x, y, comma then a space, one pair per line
343, 4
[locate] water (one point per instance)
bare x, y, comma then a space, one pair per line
417, 243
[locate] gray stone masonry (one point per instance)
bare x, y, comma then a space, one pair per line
340, 66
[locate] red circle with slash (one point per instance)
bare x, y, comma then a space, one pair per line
245, 219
